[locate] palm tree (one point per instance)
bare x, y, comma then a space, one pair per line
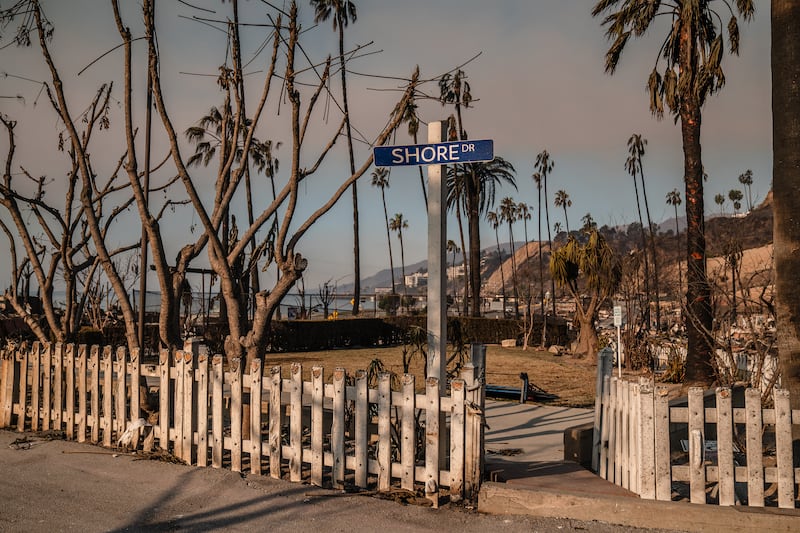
213, 136
380, 179
735, 196
455, 200
483, 179
508, 213
544, 166
342, 13
455, 90
786, 197
636, 149
562, 200
599, 267
746, 179
588, 223
398, 224
693, 51
557, 228
674, 199
719, 199
412, 119
494, 220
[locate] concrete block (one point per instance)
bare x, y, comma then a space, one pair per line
578, 444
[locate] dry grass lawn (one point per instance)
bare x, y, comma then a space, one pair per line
572, 380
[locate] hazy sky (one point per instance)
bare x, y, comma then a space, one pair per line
539, 83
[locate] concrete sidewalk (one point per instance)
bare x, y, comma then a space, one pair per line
528, 476
65, 486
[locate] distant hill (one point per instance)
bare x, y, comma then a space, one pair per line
752, 230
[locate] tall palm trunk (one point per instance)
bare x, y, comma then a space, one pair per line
678, 240
466, 263
502, 273
698, 294
786, 190
514, 271
354, 187
388, 239
646, 310
652, 250
549, 246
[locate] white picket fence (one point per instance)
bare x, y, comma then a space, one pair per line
638, 437
328, 432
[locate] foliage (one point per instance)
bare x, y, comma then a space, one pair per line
676, 367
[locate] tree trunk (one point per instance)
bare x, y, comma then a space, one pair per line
786, 189
588, 342
356, 246
473, 220
699, 369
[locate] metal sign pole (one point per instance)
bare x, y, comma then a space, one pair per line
437, 231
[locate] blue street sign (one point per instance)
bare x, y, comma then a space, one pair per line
434, 154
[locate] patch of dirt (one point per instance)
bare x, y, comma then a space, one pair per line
571, 380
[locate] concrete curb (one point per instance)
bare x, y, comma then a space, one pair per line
499, 499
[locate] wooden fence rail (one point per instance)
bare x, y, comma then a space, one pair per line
720, 447
333, 432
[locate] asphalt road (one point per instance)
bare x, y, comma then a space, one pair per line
64, 486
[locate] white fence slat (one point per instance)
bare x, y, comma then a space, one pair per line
69, 392
604, 360
136, 374
296, 423
337, 432
755, 465
120, 392
81, 370
472, 435
235, 377
47, 383
23, 390
647, 472
384, 431
189, 406
625, 416
164, 399
256, 377
662, 459
457, 434
36, 385
218, 444
725, 471
7, 364
180, 384
202, 409
58, 386
783, 448
94, 396
275, 422
613, 433
607, 422
317, 420
697, 468
408, 447
107, 369
361, 423
432, 436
